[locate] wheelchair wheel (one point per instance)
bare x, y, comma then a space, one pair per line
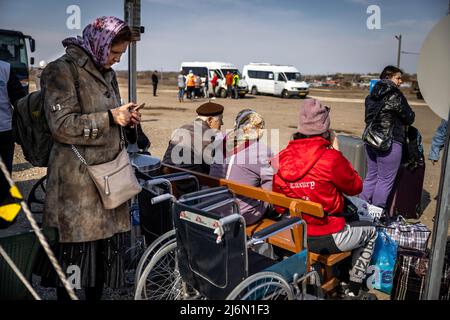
262, 286
151, 251
161, 279
36, 198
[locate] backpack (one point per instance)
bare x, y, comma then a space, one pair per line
30, 125
413, 155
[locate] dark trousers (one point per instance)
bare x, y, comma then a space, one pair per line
7, 155
155, 86
190, 92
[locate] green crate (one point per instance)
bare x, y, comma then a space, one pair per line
23, 249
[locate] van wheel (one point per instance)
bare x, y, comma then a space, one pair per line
254, 91
223, 93
285, 94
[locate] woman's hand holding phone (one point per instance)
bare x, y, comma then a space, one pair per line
135, 115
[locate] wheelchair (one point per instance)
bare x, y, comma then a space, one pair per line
208, 255
155, 218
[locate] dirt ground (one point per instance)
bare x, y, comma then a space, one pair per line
163, 114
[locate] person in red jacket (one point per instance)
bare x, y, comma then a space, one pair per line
311, 169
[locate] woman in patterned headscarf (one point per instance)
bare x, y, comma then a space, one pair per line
87, 114
245, 159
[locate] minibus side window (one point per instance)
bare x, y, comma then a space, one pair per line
281, 77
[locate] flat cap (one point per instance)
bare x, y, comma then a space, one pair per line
210, 109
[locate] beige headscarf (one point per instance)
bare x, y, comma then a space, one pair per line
248, 126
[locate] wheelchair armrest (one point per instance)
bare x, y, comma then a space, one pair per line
157, 182
180, 176
162, 198
223, 203
210, 202
173, 175
203, 194
275, 228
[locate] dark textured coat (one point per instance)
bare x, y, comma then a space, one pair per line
198, 151
72, 203
395, 111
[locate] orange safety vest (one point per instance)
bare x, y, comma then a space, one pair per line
229, 79
190, 81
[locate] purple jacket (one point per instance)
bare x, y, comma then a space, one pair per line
248, 165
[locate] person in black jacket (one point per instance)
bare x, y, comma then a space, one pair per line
155, 82
387, 106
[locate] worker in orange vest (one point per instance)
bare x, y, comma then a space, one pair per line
190, 85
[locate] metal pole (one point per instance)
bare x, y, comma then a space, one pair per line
399, 38
440, 229
131, 61
132, 94
132, 74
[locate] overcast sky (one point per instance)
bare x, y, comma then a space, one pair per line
316, 36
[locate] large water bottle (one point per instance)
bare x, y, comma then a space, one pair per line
135, 213
386, 274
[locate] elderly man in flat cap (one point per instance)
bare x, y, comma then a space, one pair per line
191, 145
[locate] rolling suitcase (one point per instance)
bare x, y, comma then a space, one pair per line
354, 150
406, 195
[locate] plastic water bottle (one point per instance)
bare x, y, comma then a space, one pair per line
386, 274
135, 213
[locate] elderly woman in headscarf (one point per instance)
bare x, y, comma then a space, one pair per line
246, 160
83, 108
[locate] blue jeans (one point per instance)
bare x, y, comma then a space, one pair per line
438, 142
382, 168
180, 93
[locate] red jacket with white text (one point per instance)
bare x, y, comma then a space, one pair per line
310, 169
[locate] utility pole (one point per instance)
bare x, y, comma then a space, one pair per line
399, 38
442, 216
132, 13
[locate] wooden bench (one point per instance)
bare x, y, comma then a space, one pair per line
290, 240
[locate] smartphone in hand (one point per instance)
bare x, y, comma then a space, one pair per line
139, 107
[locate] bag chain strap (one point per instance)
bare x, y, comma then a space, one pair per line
77, 153
75, 150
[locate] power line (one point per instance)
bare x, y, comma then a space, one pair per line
414, 53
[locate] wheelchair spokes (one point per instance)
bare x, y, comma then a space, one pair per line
262, 286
